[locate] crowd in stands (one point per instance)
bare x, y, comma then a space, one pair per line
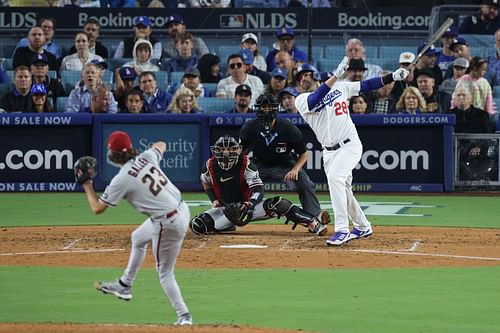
447, 78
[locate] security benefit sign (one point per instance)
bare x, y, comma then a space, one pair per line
41, 158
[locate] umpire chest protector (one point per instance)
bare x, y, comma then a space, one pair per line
275, 148
230, 185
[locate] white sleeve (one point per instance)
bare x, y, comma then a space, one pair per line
301, 103
114, 192
153, 155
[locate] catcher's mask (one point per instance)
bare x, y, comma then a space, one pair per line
227, 151
266, 108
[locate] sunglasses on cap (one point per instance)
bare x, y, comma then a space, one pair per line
237, 65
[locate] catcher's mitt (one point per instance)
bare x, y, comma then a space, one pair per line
239, 214
84, 169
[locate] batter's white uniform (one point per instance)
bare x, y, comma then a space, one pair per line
330, 121
142, 182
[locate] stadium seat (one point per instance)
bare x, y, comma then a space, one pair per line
224, 51
61, 104
115, 63
215, 104
6, 63
392, 51
212, 87
4, 87
162, 80
335, 52
108, 79
496, 93
328, 64
176, 77
317, 52
389, 63
69, 79
52, 74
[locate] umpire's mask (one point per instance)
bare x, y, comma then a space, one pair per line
266, 108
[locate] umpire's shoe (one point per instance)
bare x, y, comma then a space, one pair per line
317, 228
338, 238
116, 288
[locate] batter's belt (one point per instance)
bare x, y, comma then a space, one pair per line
338, 145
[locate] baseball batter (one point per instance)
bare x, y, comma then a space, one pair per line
327, 113
142, 182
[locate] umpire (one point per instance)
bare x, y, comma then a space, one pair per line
272, 141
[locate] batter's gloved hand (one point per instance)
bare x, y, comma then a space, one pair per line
84, 169
341, 68
400, 74
239, 214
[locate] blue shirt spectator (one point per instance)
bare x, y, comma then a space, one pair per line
286, 42
155, 100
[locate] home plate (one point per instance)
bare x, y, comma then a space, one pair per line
243, 246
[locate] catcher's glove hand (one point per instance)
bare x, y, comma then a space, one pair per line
239, 213
84, 169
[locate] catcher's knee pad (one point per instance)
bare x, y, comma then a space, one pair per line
282, 206
277, 205
202, 224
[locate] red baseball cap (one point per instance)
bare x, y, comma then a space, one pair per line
119, 141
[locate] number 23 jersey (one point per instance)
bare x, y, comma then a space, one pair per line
142, 183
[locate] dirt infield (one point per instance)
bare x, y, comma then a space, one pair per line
255, 246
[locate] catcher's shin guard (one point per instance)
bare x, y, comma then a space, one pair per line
281, 206
202, 224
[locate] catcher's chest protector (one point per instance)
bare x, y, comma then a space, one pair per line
230, 185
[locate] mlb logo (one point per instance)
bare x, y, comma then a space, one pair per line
231, 21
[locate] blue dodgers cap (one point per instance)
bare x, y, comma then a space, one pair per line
285, 31
279, 72
39, 58
128, 73
143, 20
451, 32
430, 51
287, 90
100, 63
458, 41
175, 19
247, 56
38, 89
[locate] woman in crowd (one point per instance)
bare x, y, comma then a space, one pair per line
183, 101
76, 61
209, 68
40, 102
250, 41
411, 101
358, 104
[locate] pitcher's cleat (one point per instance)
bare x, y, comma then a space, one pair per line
115, 288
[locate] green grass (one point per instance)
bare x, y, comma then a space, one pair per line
41, 209
389, 300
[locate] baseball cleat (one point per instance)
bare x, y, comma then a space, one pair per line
356, 233
338, 239
324, 217
115, 288
317, 228
183, 320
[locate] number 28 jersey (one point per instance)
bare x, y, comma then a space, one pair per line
142, 183
329, 118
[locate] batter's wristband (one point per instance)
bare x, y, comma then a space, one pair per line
387, 79
211, 195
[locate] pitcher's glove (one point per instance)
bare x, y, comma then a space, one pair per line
239, 213
84, 169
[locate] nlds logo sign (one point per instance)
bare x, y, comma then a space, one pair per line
258, 21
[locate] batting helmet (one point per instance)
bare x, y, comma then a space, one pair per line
305, 68
227, 151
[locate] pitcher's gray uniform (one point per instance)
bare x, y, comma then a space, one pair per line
327, 113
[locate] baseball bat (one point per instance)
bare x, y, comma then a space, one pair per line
434, 38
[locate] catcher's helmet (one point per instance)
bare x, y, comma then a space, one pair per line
227, 151
266, 109
306, 68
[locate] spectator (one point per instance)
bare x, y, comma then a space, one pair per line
487, 22
354, 49
356, 70
227, 86
134, 102
80, 98
124, 82
76, 61
428, 62
191, 80
286, 98
469, 119
19, 99
142, 30
359, 104
436, 102
92, 29
445, 57
284, 61
209, 3
185, 57
405, 61
209, 68
175, 25
101, 100
493, 73
411, 102
242, 99
479, 87
3, 76
39, 100
183, 101
118, 3
247, 57
250, 41
277, 82
462, 50
23, 55
303, 3
460, 65
48, 25
382, 100
142, 57
306, 78
39, 71
102, 66
286, 42
156, 100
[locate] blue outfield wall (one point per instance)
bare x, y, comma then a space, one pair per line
401, 153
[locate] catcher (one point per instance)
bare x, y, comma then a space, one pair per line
236, 191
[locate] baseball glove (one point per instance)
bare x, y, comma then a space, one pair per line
239, 214
84, 169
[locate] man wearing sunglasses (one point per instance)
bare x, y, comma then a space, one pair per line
226, 88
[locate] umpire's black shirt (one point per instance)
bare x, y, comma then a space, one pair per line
275, 149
